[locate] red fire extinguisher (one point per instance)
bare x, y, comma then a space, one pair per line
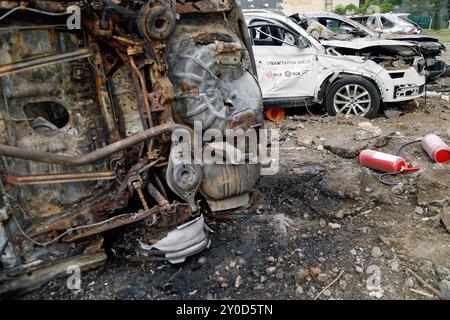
381, 161
436, 148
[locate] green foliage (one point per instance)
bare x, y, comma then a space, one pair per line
417, 7
367, 7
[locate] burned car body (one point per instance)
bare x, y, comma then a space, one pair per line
343, 28
89, 122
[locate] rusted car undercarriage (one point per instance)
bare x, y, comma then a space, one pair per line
86, 123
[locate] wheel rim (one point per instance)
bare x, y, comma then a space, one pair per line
352, 99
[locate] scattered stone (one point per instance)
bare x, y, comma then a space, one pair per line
398, 189
224, 285
343, 284
321, 259
239, 281
241, 261
444, 286
377, 294
346, 147
384, 240
395, 265
359, 269
436, 220
299, 291
279, 274
202, 260
209, 296
263, 279
270, 270
432, 187
334, 225
271, 259
376, 252
314, 272
391, 113
366, 130
259, 286
445, 217
303, 140
419, 210
327, 293
320, 147
322, 223
443, 272
300, 275
409, 283
323, 277
368, 190
281, 223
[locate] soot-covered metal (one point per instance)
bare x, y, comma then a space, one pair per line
86, 118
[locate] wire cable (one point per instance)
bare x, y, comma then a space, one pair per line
399, 149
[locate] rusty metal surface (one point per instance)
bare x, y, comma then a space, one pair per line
58, 178
86, 118
99, 154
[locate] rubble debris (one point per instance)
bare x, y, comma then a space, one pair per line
239, 281
444, 286
392, 113
302, 140
384, 240
347, 147
366, 130
314, 272
376, 252
329, 285
334, 225
281, 223
445, 217
432, 187
425, 284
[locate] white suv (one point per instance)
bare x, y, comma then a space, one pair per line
295, 69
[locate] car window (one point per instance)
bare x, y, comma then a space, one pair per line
271, 35
362, 20
386, 24
337, 26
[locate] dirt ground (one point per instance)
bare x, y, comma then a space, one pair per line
322, 217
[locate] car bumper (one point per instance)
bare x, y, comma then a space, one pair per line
409, 87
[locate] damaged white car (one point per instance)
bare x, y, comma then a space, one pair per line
348, 77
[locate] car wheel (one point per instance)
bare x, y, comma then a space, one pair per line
353, 96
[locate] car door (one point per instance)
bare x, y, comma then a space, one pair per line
285, 61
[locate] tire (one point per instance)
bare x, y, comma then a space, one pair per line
367, 104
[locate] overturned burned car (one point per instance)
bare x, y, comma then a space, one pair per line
88, 121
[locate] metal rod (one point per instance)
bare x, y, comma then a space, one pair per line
72, 161
156, 194
58, 178
29, 64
